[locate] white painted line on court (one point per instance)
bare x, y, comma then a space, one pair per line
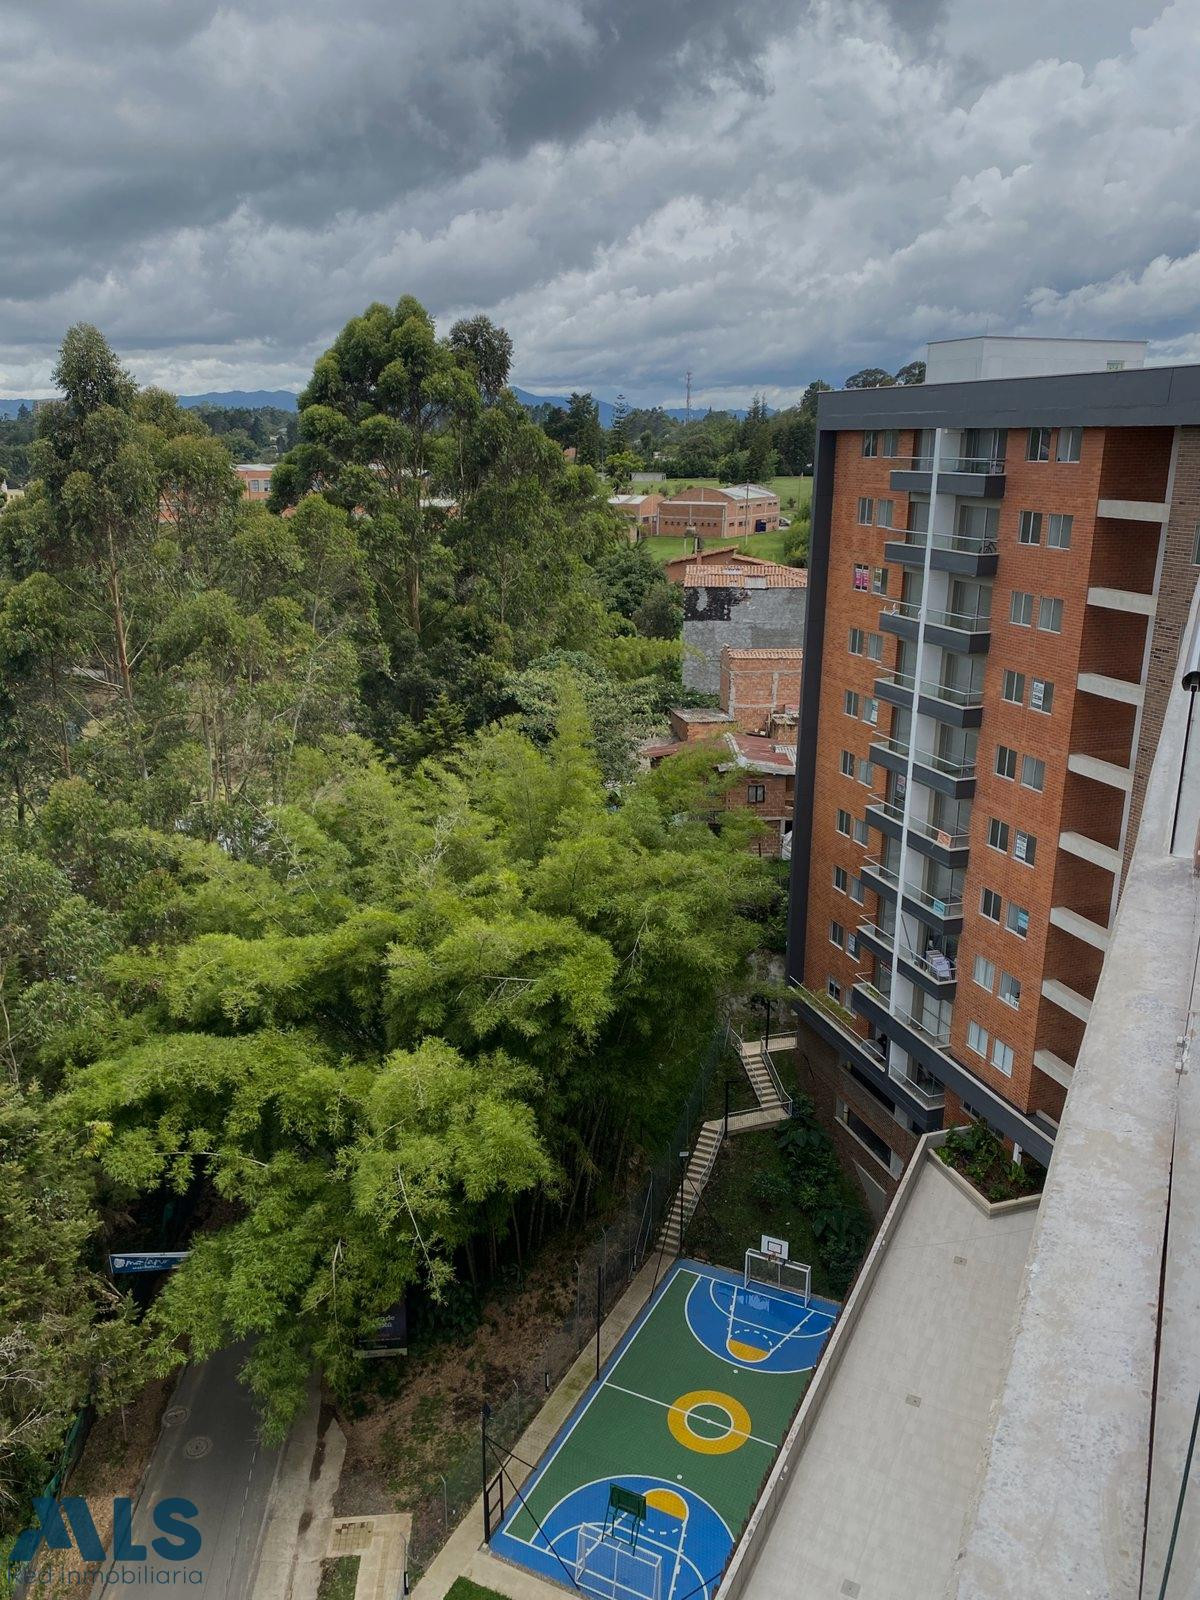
670, 1405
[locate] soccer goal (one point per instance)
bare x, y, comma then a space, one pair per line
766, 1270
614, 1569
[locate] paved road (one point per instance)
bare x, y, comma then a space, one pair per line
209, 1453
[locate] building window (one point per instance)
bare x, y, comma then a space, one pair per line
866, 771
1049, 614
847, 763
1037, 447
1196, 548
870, 444
989, 904
858, 891
1024, 847
862, 833
833, 989
1010, 990
985, 973
998, 835
1070, 439
843, 822
1002, 1057
856, 641
1014, 687
851, 703
1017, 920
870, 710
1030, 529
1006, 761
756, 793
977, 1039
1033, 773
883, 513
862, 576
879, 580
1058, 531
1041, 695
1020, 608
891, 444
874, 647
866, 509
837, 934
852, 946
840, 879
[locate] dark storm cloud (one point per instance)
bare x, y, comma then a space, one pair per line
758, 190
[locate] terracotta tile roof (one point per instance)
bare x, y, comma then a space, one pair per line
771, 575
760, 753
780, 654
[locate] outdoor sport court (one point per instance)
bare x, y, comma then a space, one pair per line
683, 1426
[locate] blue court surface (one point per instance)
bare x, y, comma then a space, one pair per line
689, 1412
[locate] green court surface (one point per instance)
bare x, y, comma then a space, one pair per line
689, 1412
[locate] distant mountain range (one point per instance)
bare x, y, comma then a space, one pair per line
285, 400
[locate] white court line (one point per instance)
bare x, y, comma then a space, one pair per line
793, 1333
670, 1405
730, 1361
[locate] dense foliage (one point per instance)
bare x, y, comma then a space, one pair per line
333, 919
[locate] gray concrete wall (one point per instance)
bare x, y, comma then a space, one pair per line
744, 619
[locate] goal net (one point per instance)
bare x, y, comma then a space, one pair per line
767, 1271
613, 1569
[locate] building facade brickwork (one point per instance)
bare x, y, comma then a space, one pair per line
979, 706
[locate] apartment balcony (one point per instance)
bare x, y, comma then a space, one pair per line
949, 775
947, 849
1078, 844
1131, 601
961, 708
1067, 999
1080, 927
953, 630
974, 477
1031, 1133
1107, 688
1106, 772
955, 553
942, 985
945, 915
868, 1059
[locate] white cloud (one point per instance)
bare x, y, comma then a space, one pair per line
762, 193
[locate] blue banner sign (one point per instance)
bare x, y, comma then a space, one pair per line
146, 1261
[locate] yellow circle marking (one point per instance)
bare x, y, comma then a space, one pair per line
674, 1505
745, 1352
679, 1420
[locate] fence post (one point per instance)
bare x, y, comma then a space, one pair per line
725, 1127
599, 1312
485, 1412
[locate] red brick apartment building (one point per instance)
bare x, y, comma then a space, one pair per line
1017, 557
256, 479
732, 512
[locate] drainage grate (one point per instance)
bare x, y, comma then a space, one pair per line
195, 1448
174, 1415
849, 1587
960, 1261
912, 1399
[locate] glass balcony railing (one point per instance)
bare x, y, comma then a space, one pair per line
927, 830
935, 964
954, 766
964, 543
934, 1033
948, 692
979, 465
961, 621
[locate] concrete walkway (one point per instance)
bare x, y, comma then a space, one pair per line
296, 1536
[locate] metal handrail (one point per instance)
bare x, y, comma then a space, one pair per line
948, 692
963, 543
954, 768
961, 621
979, 465
948, 841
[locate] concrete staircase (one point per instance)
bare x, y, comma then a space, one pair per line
773, 1107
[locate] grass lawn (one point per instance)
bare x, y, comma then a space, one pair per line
339, 1578
749, 1194
767, 545
798, 490
466, 1589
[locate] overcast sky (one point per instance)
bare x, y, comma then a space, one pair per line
764, 191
